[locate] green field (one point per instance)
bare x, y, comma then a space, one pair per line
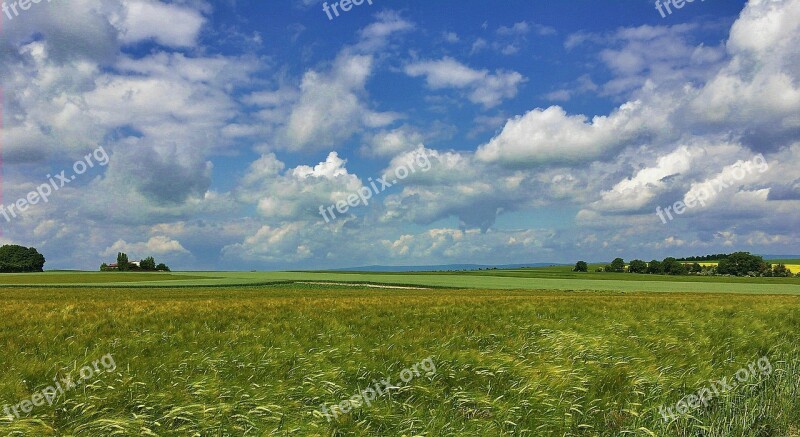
261, 359
785, 261
554, 278
87, 278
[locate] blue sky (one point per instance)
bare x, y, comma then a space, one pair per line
542, 131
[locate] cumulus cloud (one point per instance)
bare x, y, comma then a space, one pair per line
451, 245
631, 194
393, 142
553, 136
331, 106
296, 194
159, 115
665, 55
760, 83
456, 185
482, 86
171, 25
158, 245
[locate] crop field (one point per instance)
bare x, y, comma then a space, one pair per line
554, 278
264, 359
88, 278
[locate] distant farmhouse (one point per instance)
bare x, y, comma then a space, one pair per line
115, 266
123, 265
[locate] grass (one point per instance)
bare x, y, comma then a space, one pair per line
83, 278
793, 261
555, 278
565, 272
261, 360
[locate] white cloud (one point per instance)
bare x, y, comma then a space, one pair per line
331, 106
168, 24
393, 142
664, 55
483, 87
451, 37
296, 194
631, 194
524, 28
552, 136
376, 35
158, 245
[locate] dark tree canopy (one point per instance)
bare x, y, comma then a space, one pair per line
671, 266
618, 265
18, 259
742, 264
581, 266
715, 257
148, 264
780, 271
122, 262
637, 266
654, 267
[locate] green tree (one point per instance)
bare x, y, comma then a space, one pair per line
148, 264
780, 271
637, 266
671, 266
581, 266
19, 259
162, 268
741, 264
654, 268
122, 262
618, 265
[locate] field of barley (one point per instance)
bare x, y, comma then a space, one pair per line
262, 360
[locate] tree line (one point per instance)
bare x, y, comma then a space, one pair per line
715, 257
735, 264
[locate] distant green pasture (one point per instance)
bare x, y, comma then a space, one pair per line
520, 279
